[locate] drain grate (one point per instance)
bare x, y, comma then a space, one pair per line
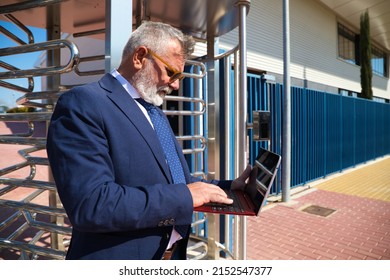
318, 210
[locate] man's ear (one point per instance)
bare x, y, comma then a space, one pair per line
139, 57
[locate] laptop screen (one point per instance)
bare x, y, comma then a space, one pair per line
264, 172
250, 201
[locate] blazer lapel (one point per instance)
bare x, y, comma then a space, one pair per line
130, 109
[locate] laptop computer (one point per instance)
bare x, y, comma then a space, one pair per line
250, 201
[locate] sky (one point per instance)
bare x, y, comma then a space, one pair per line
22, 61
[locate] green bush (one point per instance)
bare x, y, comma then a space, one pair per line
21, 110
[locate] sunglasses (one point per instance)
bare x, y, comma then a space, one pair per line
172, 73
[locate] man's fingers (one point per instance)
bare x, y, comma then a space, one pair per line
253, 174
204, 193
221, 199
245, 174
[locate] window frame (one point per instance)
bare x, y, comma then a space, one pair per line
348, 50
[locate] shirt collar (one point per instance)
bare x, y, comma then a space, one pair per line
127, 86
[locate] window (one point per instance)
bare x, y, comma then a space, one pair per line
378, 61
348, 44
380, 100
345, 92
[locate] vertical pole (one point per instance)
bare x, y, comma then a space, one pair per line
53, 19
228, 118
213, 135
242, 160
237, 151
286, 139
119, 22
228, 144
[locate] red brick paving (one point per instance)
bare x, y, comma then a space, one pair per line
358, 230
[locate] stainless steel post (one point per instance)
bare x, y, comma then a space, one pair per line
213, 117
119, 22
286, 138
236, 229
228, 145
242, 131
53, 16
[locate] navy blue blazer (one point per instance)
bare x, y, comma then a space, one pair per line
112, 176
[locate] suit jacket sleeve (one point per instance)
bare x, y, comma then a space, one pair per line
106, 173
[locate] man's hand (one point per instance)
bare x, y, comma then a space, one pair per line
240, 182
204, 193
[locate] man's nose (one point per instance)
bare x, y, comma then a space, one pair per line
175, 84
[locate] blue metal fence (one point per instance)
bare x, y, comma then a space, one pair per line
329, 132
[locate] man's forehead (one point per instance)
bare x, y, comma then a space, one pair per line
174, 48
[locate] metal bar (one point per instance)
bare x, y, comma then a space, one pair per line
30, 131
213, 137
44, 46
194, 75
227, 53
242, 160
53, 21
17, 87
36, 208
88, 33
7, 9
10, 220
115, 41
41, 141
228, 144
12, 168
90, 72
48, 96
195, 149
8, 85
48, 227
39, 250
236, 230
12, 36
18, 232
35, 116
286, 139
36, 184
199, 160
228, 118
186, 99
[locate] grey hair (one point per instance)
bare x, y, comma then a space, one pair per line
156, 35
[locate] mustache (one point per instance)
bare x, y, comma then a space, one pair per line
164, 89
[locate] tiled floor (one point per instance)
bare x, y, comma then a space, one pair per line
372, 181
358, 229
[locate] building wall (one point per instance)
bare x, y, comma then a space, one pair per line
314, 51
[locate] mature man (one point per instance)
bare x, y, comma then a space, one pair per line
120, 173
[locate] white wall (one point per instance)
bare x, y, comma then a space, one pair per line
313, 36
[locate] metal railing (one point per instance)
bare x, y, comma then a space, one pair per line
7, 9
26, 221
38, 47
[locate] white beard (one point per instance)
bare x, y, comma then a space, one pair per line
147, 89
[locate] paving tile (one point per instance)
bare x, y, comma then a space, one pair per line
358, 230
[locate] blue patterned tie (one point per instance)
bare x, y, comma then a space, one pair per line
163, 130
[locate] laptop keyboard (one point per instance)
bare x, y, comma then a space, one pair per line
235, 207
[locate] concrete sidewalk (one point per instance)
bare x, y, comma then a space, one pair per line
348, 218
